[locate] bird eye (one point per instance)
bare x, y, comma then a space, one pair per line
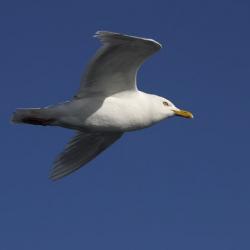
165, 103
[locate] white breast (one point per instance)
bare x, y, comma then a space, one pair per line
121, 113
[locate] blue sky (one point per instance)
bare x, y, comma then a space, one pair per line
182, 184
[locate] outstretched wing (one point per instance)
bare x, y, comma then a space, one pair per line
113, 69
80, 150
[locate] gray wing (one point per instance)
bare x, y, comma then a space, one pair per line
80, 150
113, 69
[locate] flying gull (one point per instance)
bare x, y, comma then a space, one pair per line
107, 104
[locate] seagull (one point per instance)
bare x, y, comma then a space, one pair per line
107, 104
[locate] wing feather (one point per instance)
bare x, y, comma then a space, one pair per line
114, 67
80, 150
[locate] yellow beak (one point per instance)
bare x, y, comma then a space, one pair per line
183, 113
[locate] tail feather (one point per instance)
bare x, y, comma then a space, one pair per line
34, 116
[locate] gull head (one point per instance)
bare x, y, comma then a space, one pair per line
166, 108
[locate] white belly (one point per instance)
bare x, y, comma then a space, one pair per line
114, 113
118, 116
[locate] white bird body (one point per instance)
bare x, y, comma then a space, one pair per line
121, 112
107, 104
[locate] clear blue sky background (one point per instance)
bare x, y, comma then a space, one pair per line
182, 184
